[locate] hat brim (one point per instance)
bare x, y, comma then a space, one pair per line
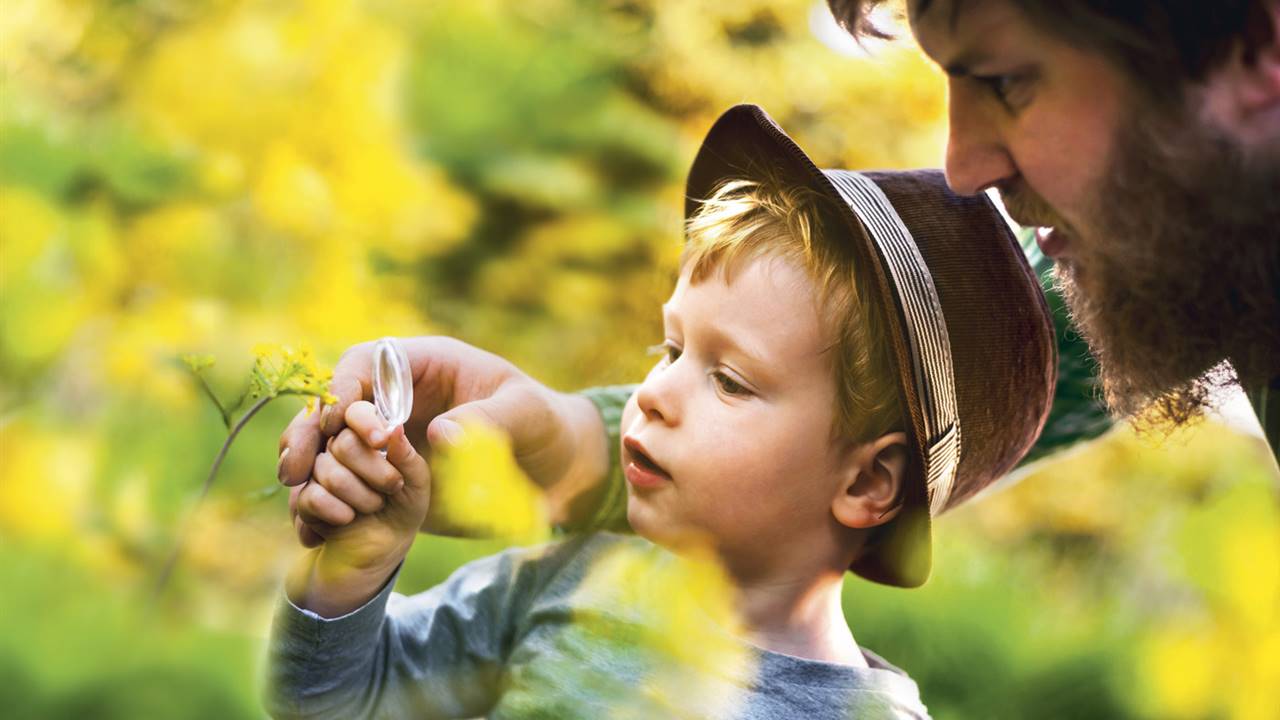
745, 143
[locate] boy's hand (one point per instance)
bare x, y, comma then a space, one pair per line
558, 439
391, 495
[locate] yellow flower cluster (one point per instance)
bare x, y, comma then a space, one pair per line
285, 370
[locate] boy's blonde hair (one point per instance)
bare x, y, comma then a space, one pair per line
747, 219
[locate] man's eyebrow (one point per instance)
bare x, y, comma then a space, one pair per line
923, 6
960, 66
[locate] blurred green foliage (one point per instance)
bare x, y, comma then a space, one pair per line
200, 176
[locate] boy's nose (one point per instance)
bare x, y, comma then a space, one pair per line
657, 396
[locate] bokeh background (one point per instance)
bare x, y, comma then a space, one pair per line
204, 176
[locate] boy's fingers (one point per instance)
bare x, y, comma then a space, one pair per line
412, 466
345, 486
317, 505
299, 444
351, 383
365, 462
364, 418
310, 536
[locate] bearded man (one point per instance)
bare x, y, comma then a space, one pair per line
1142, 139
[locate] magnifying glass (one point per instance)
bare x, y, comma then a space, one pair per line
392, 382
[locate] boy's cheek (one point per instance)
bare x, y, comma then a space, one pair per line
629, 413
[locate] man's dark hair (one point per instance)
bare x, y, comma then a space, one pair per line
1156, 41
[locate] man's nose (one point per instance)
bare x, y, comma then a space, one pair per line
658, 397
977, 158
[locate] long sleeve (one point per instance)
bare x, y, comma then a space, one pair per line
611, 514
433, 655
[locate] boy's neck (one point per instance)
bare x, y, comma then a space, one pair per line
800, 616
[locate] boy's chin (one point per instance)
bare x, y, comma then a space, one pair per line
642, 522
661, 531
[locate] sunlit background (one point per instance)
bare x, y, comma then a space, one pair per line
205, 176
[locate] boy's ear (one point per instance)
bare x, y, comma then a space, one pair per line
874, 474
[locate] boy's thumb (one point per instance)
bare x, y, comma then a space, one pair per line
519, 412
445, 431
405, 458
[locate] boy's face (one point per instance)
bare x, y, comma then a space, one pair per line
738, 418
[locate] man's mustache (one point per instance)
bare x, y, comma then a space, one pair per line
1028, 209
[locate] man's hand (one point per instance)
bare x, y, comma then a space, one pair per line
361, 551
558, 439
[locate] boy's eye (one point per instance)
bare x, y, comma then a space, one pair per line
729, 386
666, 348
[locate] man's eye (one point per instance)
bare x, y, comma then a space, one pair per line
1009, 89
729, 385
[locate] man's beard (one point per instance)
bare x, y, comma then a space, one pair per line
1179, 270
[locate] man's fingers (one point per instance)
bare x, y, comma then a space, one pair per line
318, 505
346, 486
352, 380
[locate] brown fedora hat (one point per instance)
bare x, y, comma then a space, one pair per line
972, 336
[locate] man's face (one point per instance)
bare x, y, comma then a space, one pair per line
738, 416
1151, 211
1030, 116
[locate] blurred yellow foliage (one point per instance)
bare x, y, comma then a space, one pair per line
478, 488
678, 613
45, 481
1180, 663
198, 177
1201, 508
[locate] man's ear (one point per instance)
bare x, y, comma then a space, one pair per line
1242, 94
874, 475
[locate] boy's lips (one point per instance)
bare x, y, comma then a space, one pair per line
639, 466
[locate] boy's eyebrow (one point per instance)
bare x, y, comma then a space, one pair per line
756, 359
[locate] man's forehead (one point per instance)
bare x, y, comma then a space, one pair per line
958, 33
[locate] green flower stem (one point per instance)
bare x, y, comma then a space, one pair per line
204, 385
172, 561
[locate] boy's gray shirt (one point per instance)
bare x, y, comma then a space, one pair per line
512, 636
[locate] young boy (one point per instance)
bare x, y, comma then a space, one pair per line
846, 357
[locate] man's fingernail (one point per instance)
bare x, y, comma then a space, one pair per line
324, 415
280, 465
452, 432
